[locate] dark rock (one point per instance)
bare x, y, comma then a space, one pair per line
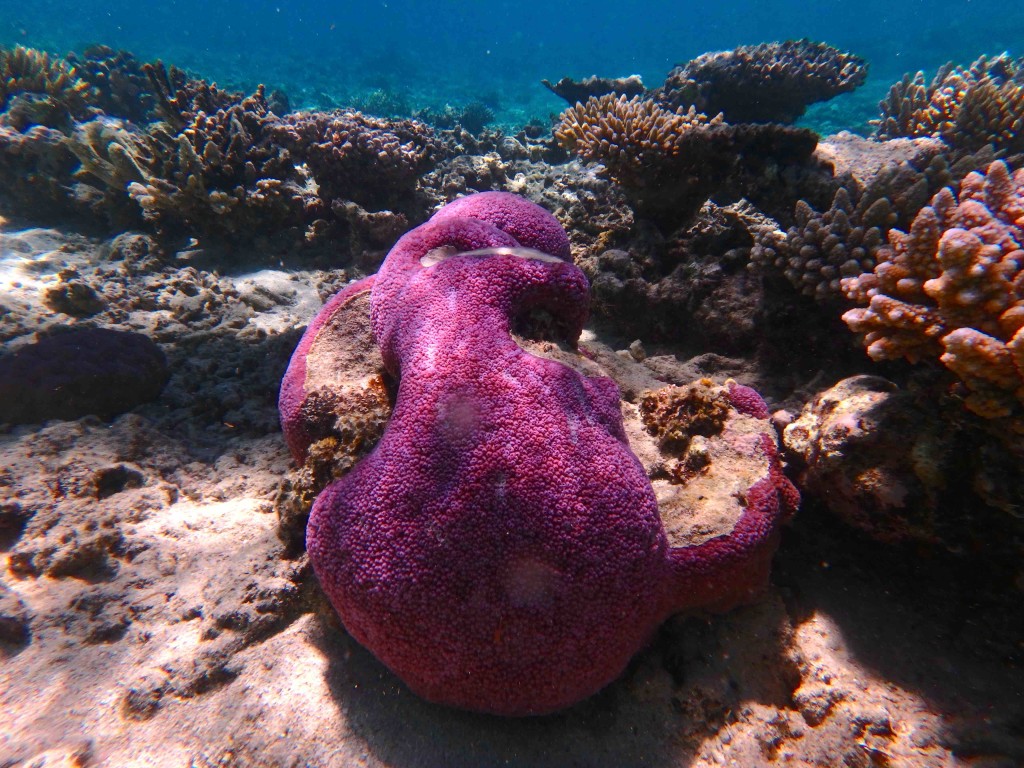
83, 371
14, 619
580, 90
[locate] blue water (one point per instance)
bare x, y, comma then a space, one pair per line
431, 53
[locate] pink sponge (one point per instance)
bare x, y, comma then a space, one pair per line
501, 548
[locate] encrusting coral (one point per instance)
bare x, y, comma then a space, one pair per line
967, 107
766, 83
501, 547
952, 288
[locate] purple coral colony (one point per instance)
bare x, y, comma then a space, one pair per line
500, 507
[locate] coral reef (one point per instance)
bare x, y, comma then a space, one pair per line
221, 174
50, 88
903, 466
368, 160
120, 86
465, 583
578, 91
671, 162
875, 458
82, 371
881, 186
766, 83
952, 288
967, 107
35, 166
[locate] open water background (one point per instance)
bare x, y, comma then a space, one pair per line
429, 54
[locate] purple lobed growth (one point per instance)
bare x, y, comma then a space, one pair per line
501, 548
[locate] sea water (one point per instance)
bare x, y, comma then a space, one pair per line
325, 54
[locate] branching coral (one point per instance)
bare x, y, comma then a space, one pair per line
33, 76
220, 174
120, 85
823, 247
372, 161
672, 162
771, 82
953, 288
633, 138
967, 107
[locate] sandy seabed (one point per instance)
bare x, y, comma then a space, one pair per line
150, 614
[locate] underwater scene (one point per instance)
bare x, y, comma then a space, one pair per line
498, 384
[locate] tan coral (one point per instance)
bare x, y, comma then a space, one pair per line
626, 135
967, 107
26, 70
953, 288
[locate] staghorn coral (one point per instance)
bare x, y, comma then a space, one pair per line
766, 83
180, 99
372, 161
952, 288
494, 588
669, 162
967, 107
221, 175
28, 71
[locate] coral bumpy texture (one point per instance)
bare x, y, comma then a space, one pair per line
501, 548
953, 288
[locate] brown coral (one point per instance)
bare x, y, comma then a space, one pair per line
632, 138
580, 90
219, 175
823, 247
771, 82
120, 86
679, 417
374, 162
36, 89
967, 107
953, 288
26, 70
670, 163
